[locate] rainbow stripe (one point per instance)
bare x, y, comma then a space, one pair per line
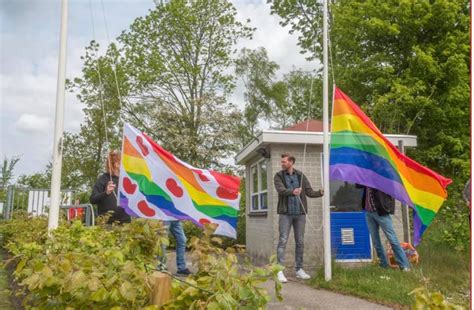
361, 154
155, 184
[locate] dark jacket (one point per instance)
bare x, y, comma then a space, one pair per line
284, 192
384, 204
106, 203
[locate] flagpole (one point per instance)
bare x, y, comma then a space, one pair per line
59, 123
326, 209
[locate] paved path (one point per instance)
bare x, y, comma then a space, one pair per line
297, 295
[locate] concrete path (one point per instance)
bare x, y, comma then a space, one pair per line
297, 295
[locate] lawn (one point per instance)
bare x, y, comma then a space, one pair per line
440, 269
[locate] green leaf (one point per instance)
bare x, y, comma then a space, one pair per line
213, 306
99, 295
244, 293
127, 291
20, 265
437, 298
47, 272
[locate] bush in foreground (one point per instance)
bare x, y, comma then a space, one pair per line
108, 267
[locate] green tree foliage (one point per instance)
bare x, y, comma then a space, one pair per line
167, 76
257, 72
280, 102
407, 64
7, 171
7, 175
177, 61
85, 152
35, 180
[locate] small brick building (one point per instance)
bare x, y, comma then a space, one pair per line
349, 235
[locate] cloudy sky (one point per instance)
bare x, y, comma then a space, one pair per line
29, 42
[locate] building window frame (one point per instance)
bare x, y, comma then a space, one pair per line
260, 195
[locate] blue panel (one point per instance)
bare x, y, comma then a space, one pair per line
352, 220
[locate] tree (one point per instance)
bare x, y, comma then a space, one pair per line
305, 18
85, 152
407, 64
167, 77
294, 98
257, 72
303, 100
36, 180
7, 171
177, 61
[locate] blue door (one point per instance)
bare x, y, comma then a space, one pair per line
350, 239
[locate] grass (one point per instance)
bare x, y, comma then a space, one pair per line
440, 269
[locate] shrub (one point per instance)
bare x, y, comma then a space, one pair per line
88, 267
104, 267
427, 300
223, 283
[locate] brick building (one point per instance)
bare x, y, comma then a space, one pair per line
349, 235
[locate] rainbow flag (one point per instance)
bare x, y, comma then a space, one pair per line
359, 153
155, 184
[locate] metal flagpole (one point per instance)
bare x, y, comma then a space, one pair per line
326, 212
59, 123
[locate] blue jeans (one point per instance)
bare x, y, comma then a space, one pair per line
374, 221
284, 226
176, 229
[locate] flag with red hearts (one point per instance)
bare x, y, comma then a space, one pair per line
157, 185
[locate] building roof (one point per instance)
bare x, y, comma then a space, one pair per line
297, 134
311, 125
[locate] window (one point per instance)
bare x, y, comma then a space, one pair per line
344, 196
258, 187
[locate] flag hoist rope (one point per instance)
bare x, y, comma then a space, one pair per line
307, 137
101, 87
325, 201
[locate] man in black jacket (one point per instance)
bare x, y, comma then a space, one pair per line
379, 207
292, 187
104, 193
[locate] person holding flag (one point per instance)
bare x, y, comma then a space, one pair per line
361, 154
104, 193
378, 208
292, 187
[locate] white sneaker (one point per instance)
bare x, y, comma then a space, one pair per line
300, 274
281, 277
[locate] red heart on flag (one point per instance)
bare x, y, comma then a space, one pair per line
145, 209
142, 146
174, 188
226, 194
202, 176
204, 221
128, 186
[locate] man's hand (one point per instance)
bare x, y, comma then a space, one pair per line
322, 192
110, 187
297, 191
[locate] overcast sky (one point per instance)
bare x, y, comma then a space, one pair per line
29, 42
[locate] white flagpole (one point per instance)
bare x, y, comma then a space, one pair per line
59, 123
326, 210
